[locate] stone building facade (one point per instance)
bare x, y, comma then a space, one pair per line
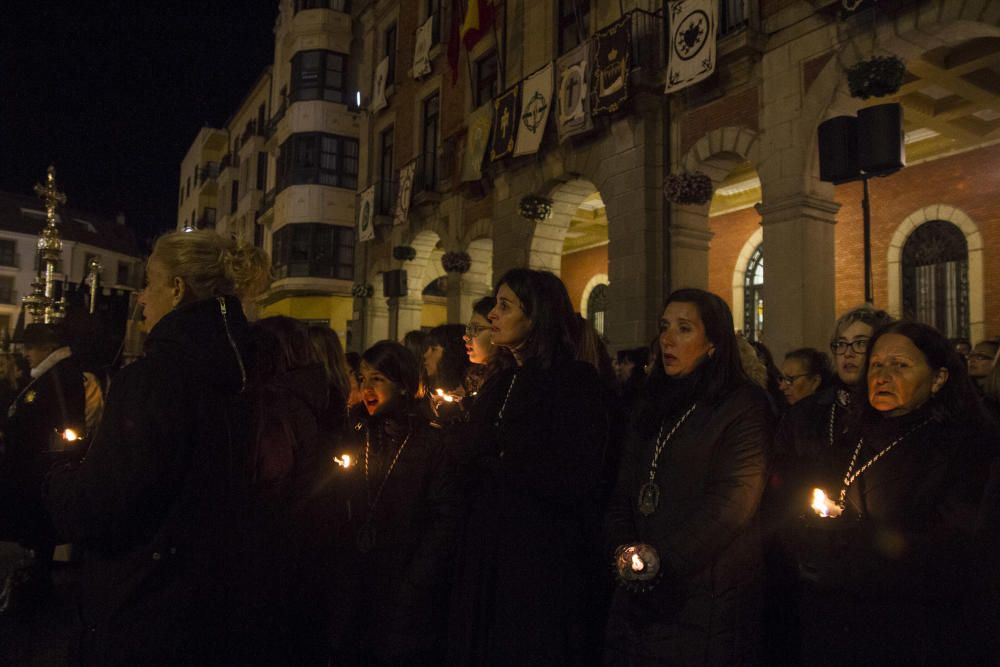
751, 127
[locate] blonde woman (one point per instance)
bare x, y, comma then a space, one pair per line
160, 503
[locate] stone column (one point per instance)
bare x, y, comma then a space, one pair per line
799, 272
376, 321
689, 241
410, 313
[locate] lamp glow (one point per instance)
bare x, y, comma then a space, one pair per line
69, 435
343, 461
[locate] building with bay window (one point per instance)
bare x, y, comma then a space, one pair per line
283, 170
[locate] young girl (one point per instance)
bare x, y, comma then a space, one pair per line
402, 497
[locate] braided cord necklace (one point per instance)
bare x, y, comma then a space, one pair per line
366, 536
649, 493
851, 475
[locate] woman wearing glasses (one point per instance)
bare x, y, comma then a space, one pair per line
479, 345
803, 447
804, 372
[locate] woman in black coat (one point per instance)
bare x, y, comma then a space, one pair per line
529, 583
159, 502
905, 581
400, 492
682, 521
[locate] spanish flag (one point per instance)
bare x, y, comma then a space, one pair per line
469, 22
478, 19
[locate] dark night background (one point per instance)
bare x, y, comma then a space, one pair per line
113, 93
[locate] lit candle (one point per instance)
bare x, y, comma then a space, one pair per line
638, 564
69, 435
823, 506
447, 398
344, 461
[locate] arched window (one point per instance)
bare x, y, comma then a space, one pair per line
753, 296
597, 307
935, 267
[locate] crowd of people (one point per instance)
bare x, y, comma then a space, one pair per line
505, 492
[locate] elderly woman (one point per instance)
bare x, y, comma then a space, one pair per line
682, 521
804, 372
527, 589
159, 503
902, 584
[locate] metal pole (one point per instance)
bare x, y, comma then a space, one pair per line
867, 215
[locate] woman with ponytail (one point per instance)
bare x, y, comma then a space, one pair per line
159, 503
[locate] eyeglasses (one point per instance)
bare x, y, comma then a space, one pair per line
858, 346
789, 379
473, 330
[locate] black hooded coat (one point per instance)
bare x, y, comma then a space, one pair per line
159, 502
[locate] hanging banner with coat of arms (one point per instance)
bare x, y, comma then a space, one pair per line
536, 100
366, 210
691, 47
476, 139
612, 62
573, 93
505, 116
405, 190
421, 52
378, 94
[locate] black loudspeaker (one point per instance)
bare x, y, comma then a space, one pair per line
394, 283
880, 139
838, 149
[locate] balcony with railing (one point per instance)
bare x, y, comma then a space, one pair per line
207, 172
206, 220
649, 55
426, 191
386, 194
266, 204
734, 15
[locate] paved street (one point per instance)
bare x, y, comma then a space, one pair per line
43, 638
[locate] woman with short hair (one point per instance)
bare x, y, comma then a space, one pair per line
804, 372
160, 501
528, 584
682, 526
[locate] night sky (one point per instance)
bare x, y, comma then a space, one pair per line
113, 93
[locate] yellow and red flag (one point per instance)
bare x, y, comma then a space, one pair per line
469, 22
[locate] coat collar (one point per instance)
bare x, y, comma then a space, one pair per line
54, 358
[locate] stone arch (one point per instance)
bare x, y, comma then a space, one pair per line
974, 239
549, 234
417, 274
595, 280
716, 154
739, 272
713, 151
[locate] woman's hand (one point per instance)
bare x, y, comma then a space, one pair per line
637, 562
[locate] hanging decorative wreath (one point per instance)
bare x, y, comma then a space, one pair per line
534, 207
404, 253
361, 291
877, 77
688, 188
456, 262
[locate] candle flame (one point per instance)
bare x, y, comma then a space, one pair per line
823, 506
638, 564
343, 461
69, 435
447, 398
